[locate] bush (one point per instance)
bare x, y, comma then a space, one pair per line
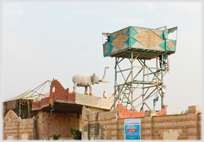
56, 137
186, 112
76, 133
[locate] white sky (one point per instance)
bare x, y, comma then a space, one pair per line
46, 40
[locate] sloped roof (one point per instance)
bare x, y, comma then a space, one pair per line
42, 96
30, 94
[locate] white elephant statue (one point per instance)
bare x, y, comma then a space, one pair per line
85, 81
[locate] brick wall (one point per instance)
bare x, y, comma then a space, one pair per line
125, 113
110, 125
56, 123
57, 92
60, 94
16, 128
96, 125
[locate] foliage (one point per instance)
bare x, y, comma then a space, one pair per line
56, 137
76, 133
186, 112
182, 112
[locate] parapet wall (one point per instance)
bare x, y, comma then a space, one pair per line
15, 128
62, 95
110, 126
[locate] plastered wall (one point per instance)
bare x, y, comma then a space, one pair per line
109, 125
15, 128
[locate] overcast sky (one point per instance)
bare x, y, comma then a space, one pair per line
46, 40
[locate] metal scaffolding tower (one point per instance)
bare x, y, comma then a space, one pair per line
145, 52
150, 85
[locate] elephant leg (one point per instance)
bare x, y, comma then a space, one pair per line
90, 90
74, 88
85, 91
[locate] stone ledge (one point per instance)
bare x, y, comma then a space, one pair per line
93, 101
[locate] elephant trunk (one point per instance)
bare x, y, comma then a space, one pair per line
102, 79
104, 73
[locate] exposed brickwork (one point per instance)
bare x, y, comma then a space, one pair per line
125, 113
41, 103
59, 94
163, 111
71, 96
36, 104
57, 123
44, 101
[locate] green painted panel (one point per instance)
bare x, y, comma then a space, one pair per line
128, 32
163, 48
174, 49
133, 31
111, 38
104, 53
167, 48
104, 45
110, 48
165, 34
133, 41
162, 35
174, 41
127, 42
163, 45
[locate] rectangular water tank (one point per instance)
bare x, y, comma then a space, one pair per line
141, 40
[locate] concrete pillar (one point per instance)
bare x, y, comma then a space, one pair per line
80, 121
148, 132
17, 125
84, 127
114, 127
193, 122
4, 135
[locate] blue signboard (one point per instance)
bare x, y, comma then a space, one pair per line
132, 129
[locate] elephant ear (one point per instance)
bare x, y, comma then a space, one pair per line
93, 77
